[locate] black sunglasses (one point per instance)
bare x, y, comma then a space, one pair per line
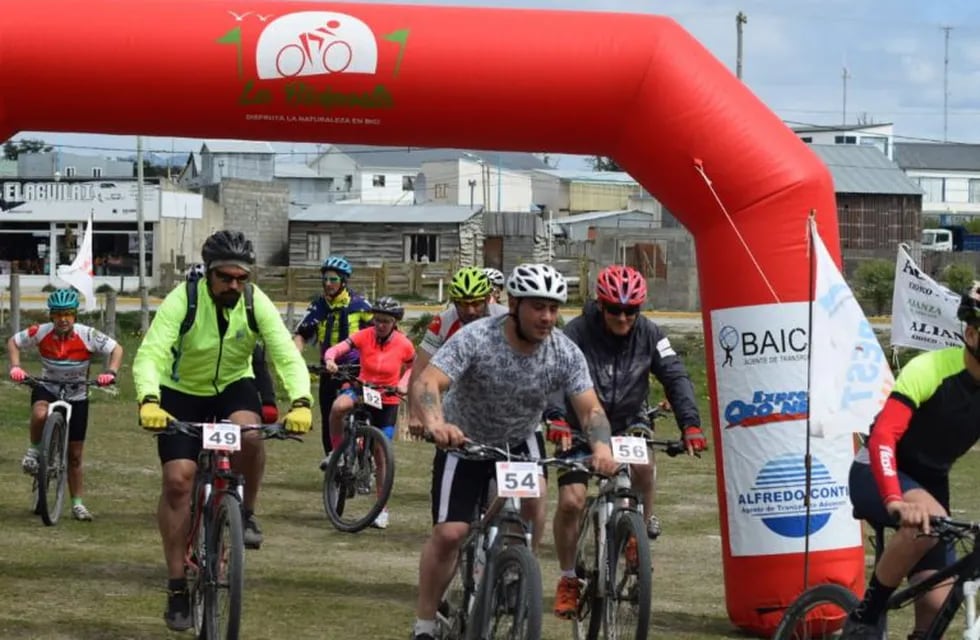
618, 309
227, 278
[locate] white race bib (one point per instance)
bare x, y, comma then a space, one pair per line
518, 480
222, 435
630, 450
372, 397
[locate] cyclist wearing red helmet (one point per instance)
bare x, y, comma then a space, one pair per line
622, 349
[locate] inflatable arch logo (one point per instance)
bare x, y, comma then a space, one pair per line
634, 87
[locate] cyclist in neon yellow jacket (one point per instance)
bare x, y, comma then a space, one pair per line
204, 373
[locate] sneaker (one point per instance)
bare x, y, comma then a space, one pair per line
381, 522
323, 463
566, 598
854, 630
29, 462
253, 535
178, 613
79, 512
653, 527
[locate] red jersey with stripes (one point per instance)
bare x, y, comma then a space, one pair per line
447, 323
67, 358
382, 362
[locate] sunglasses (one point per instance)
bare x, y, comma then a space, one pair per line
332, 279
227, 278
618, 310
62, 314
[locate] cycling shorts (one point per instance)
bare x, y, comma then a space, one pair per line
78, 424
241, 395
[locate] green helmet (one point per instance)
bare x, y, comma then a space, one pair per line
63, 300
469, 283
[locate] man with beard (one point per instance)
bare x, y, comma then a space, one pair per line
203, 373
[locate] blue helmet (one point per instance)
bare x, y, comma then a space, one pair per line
338, 264
63, 300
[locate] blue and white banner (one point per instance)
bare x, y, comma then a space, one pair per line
923, 311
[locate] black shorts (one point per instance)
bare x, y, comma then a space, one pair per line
386, 416
866, 500
459, 485
78, 424
238, 396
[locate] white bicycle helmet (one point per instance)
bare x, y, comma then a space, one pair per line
537, 281
496, 277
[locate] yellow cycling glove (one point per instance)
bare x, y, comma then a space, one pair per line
153, 417
300, 418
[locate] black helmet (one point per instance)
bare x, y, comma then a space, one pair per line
389, 306
228, 248
969, 309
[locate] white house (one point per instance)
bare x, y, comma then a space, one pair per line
474, 182
881, 135
949, 175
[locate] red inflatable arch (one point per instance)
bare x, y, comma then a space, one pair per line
637, 88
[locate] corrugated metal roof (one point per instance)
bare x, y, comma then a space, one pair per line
941, 156
860, 168
817, 128
583, 175
383, 214
236, 146
294, 170
412, 157
598, 215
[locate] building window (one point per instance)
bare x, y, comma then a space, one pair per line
845, 140
422, 247
441, 191
974, 190
96, 172
317, 247
70, 172
934, 189
408, 183
807, 139
378, 180
348, 182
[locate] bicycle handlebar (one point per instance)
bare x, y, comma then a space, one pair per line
33, 381
348, 373
274, 430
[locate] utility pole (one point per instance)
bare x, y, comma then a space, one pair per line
947, 29
144, 303
740, 19
844, 76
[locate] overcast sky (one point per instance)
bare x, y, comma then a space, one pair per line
794, 54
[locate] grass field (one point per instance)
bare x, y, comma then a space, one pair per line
106, 579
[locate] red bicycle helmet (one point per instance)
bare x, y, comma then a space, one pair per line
621, 285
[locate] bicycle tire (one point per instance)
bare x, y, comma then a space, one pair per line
500, 596
588, 618
453, 614
344, 471
628, 583
799, 622
225, 570
195, 563
52, 464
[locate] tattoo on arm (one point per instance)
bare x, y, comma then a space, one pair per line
599, 428
429, 403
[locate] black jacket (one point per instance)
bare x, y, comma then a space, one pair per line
621, 368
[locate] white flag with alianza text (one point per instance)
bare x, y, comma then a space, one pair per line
79, 273
849, 375
923, 311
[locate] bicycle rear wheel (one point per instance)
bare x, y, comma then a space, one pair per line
52, 468
588, 618
225, 571
512, 599
358, 479
627, 610
818, 612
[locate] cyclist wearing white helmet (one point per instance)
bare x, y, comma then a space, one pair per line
517, 356
497, 281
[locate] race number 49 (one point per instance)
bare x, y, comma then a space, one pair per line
518, 480
222, 435
630, 450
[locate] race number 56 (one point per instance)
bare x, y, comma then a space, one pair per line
222, 435
630, 450
518, 480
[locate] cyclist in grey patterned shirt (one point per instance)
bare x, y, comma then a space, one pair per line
497, 374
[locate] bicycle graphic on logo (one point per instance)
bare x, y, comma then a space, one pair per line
315, 43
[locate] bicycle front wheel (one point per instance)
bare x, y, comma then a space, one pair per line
358, 479
588, 617
627, 611
512, 599
818, 612
225, 571
52, 468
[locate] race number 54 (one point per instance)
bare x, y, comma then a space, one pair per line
518, 480
222, 435
630, 450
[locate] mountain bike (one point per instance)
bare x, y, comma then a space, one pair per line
214, 560
359, 474
820, 611
48, 492
495, 591
612, 553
